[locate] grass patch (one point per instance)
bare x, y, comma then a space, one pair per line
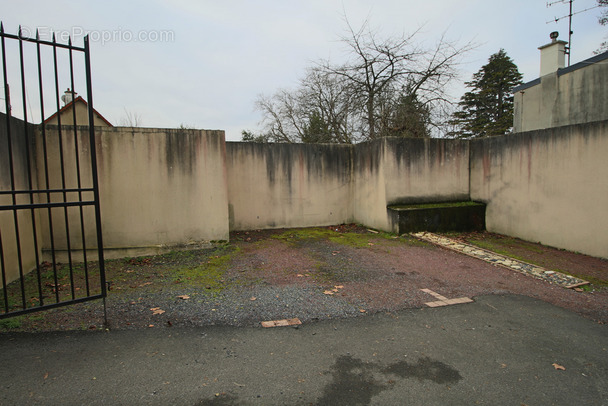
434, 205
210, 274
11, 324
516, 249
499, 249
360, 239
203, 267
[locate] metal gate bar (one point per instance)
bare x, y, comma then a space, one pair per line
40, 286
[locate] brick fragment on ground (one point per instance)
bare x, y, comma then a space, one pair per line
281, 323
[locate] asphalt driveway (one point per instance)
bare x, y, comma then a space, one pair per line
499, 350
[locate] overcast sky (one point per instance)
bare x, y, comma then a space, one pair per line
203, 63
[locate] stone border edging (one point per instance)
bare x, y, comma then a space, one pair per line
535, 271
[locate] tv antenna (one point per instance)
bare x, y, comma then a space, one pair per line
569, 15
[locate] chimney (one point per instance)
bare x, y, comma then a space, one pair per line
68, 96
552, 55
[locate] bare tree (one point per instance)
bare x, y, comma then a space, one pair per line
603, 20
131, 119
325, 94
380, 68
283, 118
367, 96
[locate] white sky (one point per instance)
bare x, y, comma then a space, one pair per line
216, 57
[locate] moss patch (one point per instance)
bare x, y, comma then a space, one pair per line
355, 237
434, 205
210, 274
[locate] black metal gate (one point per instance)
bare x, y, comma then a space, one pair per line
51, 249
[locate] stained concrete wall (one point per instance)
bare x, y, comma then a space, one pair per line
549, 186
574, 95
407, 170
288, 185
167, 187
300, 185
158, 187
21, 138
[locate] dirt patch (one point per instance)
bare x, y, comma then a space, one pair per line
593, 269
314, 273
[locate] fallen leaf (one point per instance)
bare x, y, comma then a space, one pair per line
300, 275
334, 290
362, 310
157, 310
184, 297
46, 375
253, 298
370, 243
339, 286
559, 367
328, 292
151, 325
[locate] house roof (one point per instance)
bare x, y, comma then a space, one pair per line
563, 71
79, 99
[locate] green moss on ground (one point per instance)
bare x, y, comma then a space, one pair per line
348, 238
434, 205
210, 274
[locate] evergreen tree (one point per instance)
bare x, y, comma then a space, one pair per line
317, 130
409, 117
488, 108
248, 136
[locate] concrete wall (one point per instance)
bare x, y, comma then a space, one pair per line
57, 148
300, 185
288, 185
549, 186
174, 182
158, 187
407, 170
168, 187
20, 144
574, 95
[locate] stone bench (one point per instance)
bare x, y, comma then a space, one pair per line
439, 217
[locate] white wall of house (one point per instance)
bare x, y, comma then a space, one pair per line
574, 95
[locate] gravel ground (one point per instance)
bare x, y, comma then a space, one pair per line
312, 274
